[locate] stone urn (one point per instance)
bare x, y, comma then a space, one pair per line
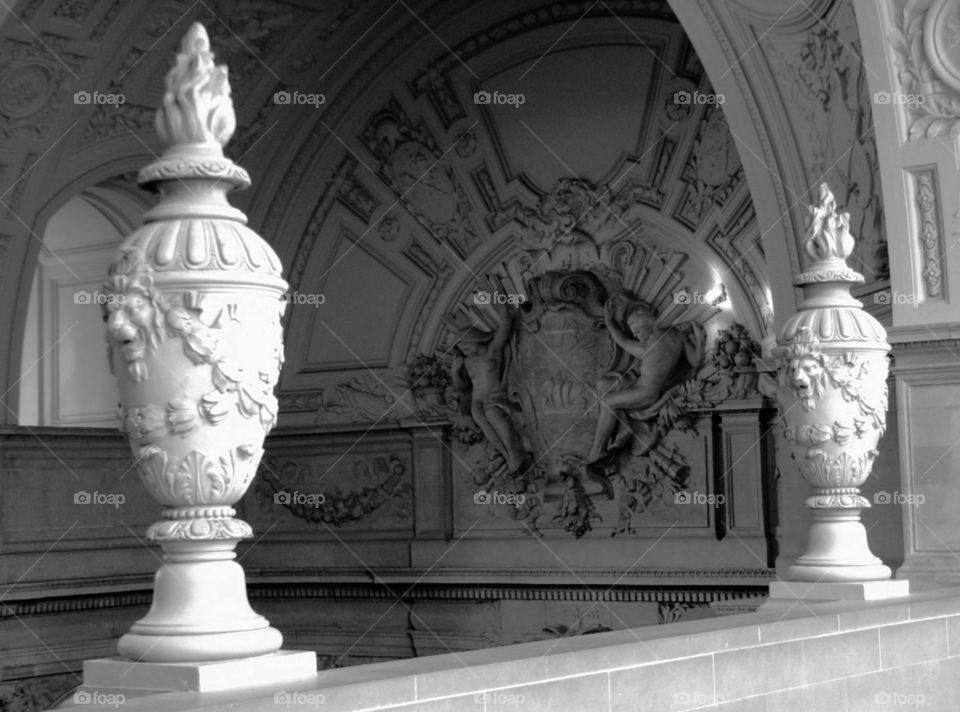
832, 360
195, 341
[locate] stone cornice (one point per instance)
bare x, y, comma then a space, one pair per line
463, 584
947, 344
47, 606
648, 576
577, 592
921, 336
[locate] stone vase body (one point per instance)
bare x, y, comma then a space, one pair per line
193, 307
833, 401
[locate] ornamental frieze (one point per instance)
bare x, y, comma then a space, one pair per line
344, 492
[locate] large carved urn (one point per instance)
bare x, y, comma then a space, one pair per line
194, 299
833, 367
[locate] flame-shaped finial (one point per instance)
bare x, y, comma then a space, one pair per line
197, 108
828, 236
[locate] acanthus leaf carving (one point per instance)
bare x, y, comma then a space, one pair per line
197, 478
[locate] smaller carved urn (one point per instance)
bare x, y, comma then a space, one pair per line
193, 325
832, 359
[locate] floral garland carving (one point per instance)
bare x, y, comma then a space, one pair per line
338, 508
139, 318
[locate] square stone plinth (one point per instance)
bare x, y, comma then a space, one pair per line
119, 673
839, 591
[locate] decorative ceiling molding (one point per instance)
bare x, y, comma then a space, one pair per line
773, 17
291, 156
750, 99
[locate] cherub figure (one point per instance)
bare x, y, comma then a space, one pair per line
664, 357
478, 371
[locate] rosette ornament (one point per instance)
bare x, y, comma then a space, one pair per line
832, 393
195, 341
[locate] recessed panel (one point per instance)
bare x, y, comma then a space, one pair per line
573, 119
355, 313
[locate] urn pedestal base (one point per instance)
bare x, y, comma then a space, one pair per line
285, 666
200, 610
837, 550
839, 591
799, 596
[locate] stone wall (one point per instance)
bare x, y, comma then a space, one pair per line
408, 564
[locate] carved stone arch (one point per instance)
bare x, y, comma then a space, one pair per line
782, 16
17, 283
753, 108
